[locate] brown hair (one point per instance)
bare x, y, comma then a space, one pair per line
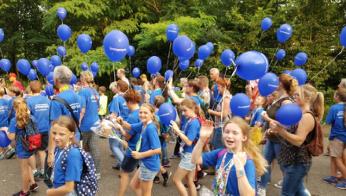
15, 90
224, 82
341, 93
122, 86
160, 81
191, 104
35, 86
2, 91
132, 96
66, 122
102, 89
288, 83
158, 101
203, 80
194, 85
248, 146
22, 112
316, 99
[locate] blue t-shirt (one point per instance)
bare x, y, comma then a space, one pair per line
57, 109
150, 141
20, 151
191, 130
74, 167
11, 109
133, 118
335, 118
141, 91
119, 107
39, 108
257, 116
198, 100
90, 102
4, 112
216, 94
213, 159
154, 93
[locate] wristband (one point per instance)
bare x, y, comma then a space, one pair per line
240, 173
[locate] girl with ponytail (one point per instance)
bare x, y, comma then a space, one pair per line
295, 157
237, 165
188, 135
337, 119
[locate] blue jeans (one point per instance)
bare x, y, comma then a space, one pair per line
117, 150
217, 139
271, 151
293, 182
164, 152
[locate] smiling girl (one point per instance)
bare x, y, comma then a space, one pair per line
63, 131
237, 165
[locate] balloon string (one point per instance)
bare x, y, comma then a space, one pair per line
130, 64
175, 64
113, 72
1, 53
260, 38
273, 56
189, 75
169, 54
224, 75
198, 71
235, 70
330, 62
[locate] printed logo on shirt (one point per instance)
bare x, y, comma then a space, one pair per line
75, 106
94, 98
41, 107
340, 114
3, 109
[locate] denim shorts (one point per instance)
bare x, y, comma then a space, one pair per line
185, 162
146, 174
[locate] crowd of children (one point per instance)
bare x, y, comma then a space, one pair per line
205, 132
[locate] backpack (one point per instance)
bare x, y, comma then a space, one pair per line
315, 146
87, 186
31, 137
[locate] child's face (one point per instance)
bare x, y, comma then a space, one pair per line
61, 136
259, 101
145, 115
189, 113
233, 137
336, 97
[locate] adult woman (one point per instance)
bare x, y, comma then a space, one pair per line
236, 165
294, 157
221, 111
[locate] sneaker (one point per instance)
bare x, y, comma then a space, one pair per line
10, 153
198, 186
33, 187
98, 176
201, 174
330, 180
261, 191
166, 177
21, 193
157, 180
2, 156
341, 184
278, 184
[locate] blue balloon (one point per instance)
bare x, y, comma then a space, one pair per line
50, 78
2, 35
172, 32
64, 32
203, 52
211, 46
84, 43
227, 57
84, 66
284, 33
61, 13
49, 90
5, 65
32, 75
280, 54
55, 60
251, 65
154, 64
131, 51
289, 114
34, 63
268, 84
167, 113
51, 68
4, 140
266, 24
168, 75
184, 64
240, 105
136, 72
115, 45
94, 74
342, 37
73, 79
94, 67
199, 63
61, 51
300, 75
300, 59
183, 47
23, 66
43, 66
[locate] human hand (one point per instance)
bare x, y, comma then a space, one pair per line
207, 128
239, 160
137, 155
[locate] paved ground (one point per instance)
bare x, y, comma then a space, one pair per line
10, 178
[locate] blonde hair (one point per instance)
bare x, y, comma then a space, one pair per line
288, 83
22, 112
87, 76
248, 146
191, 104
316, 99
342, 83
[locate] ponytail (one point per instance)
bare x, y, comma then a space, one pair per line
288, 83
318, 106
